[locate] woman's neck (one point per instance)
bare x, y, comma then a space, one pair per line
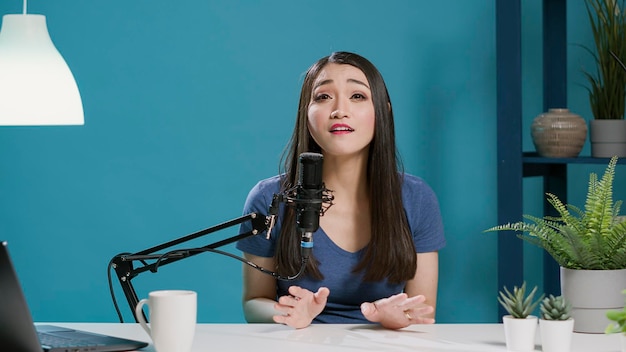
346, 175
347, 223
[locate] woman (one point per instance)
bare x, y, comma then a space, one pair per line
375, 257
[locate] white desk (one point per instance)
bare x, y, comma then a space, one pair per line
330, 337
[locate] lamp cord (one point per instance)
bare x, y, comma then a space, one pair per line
24, 7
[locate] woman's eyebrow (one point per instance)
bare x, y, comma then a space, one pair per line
321, 83
350, 80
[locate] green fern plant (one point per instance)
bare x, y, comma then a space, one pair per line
555, 308
517, 303
593, 239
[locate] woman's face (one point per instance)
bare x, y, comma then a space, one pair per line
341, 111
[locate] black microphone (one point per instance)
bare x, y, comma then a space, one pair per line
309, 199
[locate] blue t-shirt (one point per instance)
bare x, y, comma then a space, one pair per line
347, 289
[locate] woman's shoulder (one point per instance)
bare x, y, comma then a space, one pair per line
415, 187
270, 181
269, 185
413, 182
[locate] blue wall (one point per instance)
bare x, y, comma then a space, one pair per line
188, 103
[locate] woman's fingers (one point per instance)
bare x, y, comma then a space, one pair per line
301, 306
398, 311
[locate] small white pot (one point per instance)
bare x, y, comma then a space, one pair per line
556, 335
520, 333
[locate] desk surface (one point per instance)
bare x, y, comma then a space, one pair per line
338, 337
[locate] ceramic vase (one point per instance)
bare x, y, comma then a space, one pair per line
520, 333
559, 133
556, 335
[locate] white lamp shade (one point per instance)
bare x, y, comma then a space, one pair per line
36, 85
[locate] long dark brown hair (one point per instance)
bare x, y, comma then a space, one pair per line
390, 254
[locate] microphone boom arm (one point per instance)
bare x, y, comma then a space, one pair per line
123, 263
310, 198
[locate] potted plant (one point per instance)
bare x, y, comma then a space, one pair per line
590, 247
555, 324
607, 87
520, 325
618, 325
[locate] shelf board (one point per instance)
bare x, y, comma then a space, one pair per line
534, 158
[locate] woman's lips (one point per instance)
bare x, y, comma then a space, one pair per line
340, 128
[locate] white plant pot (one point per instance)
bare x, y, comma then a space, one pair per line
608, 138
592, 293
520, 333
556, 335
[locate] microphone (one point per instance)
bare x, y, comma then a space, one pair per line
309, 199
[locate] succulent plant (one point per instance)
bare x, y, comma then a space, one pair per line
555, 308
517, 303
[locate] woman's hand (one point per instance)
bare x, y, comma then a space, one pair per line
398, 311
301, 306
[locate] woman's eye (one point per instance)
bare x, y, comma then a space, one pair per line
358, 96
321, 97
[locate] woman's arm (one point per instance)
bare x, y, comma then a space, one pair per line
259, 291
426, 279
416, 305
297, 309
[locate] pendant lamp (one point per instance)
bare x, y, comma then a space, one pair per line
36, 85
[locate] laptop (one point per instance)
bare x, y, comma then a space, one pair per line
18, 333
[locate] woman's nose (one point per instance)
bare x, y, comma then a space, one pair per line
340, 110
338, 114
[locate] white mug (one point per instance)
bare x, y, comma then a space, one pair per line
172, 319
